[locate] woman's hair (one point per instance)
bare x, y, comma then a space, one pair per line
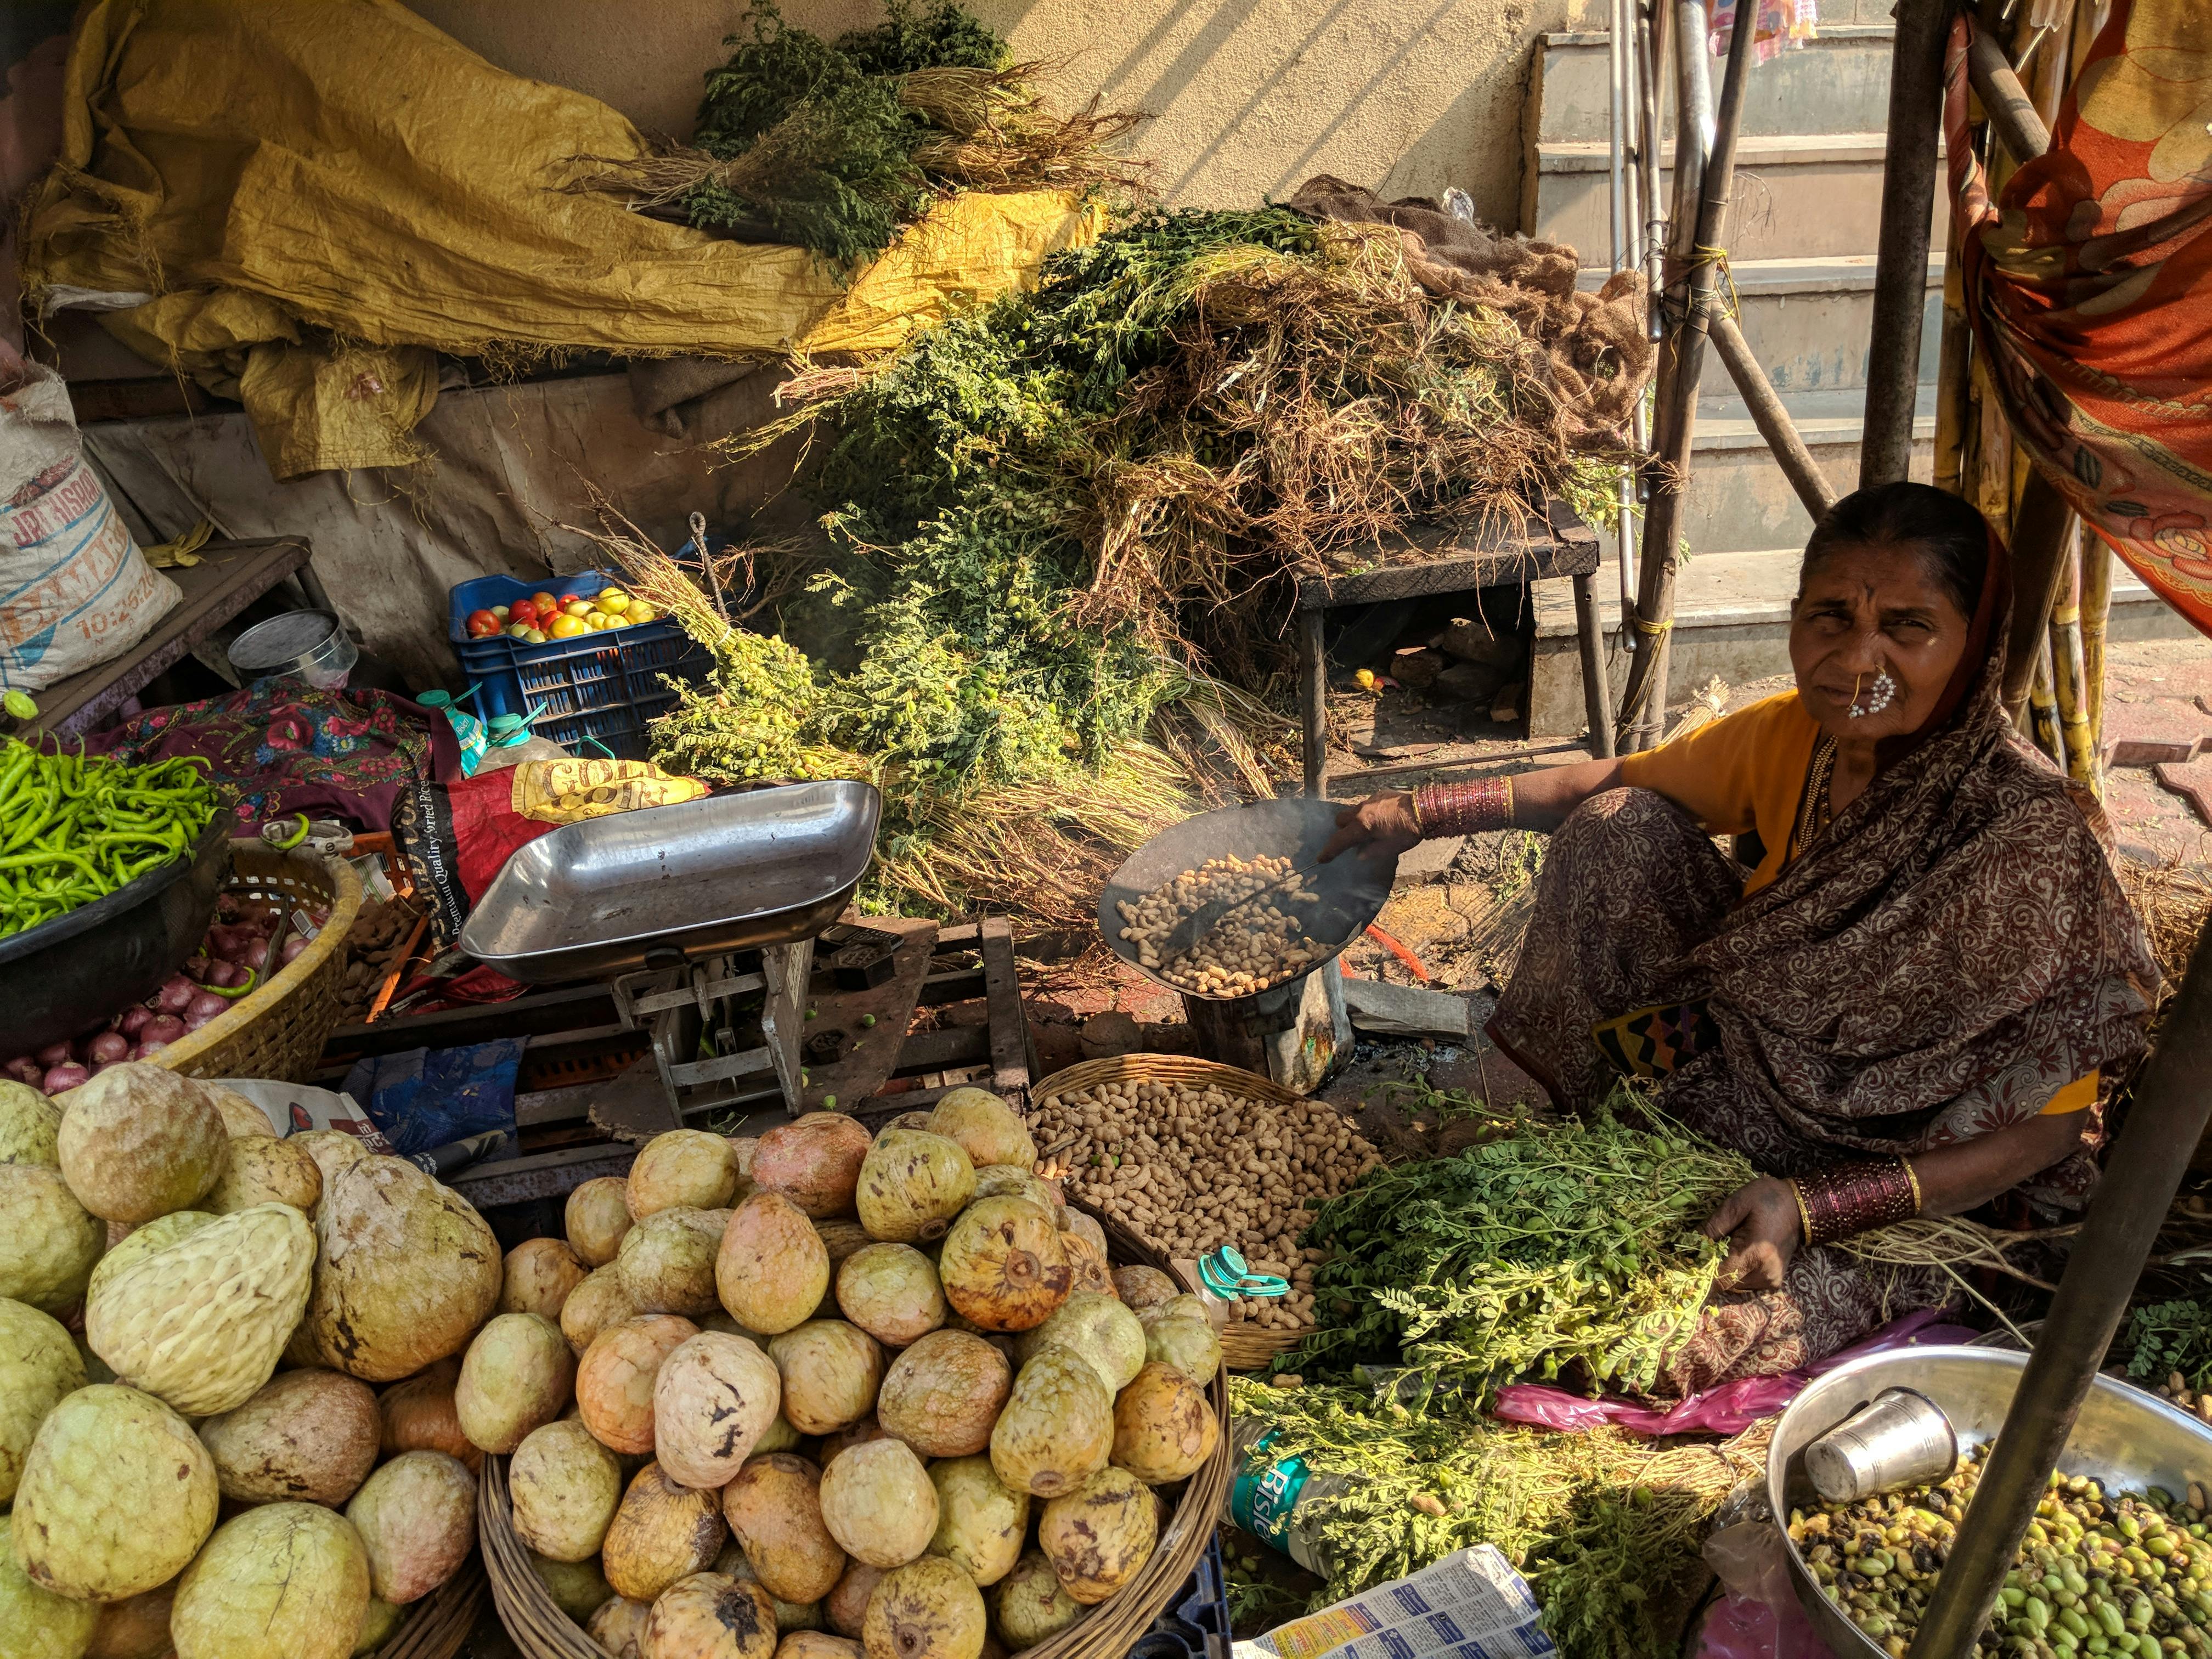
1949, 535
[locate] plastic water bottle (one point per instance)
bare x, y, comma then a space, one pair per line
1273, 1498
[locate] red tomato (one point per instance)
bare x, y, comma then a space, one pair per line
546, 604
521, 612
482, 624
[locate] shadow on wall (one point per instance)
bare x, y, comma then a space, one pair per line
1250, 98
34, 46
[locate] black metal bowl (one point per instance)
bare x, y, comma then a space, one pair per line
1353, 886
65, 976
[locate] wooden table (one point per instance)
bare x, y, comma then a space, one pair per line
229, 576
1435, 561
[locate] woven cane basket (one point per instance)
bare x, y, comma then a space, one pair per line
542, 1631
1243, 1347
437, 1625
278, 1031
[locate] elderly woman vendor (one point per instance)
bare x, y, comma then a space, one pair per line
1908, 1005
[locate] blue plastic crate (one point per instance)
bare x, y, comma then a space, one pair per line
1196, 1623
604, 686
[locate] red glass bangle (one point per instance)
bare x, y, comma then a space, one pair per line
1845, 1200
1464, 809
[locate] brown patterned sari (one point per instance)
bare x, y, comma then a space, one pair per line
1945, 956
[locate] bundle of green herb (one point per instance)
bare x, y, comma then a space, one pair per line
834, 147
2167, 1337
1605, 1529
1556, 1243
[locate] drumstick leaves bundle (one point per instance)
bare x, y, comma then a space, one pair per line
1606, 1527
1554, 1244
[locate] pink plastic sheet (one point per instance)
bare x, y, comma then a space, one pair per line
1729, 1409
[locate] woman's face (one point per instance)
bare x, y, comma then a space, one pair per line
1872, 630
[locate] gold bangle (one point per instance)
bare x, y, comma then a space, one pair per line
1413, 805
1804, 1216
1918, 1203
1509, 801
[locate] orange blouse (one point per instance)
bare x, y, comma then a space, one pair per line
1746, 772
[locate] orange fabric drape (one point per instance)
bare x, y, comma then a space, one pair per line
2088, 285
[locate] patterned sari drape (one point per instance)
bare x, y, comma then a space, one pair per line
2088, 284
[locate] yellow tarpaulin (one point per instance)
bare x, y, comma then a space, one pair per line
297, 202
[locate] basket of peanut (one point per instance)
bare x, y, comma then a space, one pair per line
1190, 1155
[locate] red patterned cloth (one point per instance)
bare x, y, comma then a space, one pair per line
2088, 282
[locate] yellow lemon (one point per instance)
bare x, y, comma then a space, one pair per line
613, 601
566, 627
640, 611
596, 620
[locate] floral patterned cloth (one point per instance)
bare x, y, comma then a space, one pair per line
286, 747
1950, 952
2088, 282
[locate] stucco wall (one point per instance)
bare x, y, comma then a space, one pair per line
1250, 97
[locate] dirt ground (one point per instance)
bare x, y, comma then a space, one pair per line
1458, 920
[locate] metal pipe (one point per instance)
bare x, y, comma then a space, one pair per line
1616, 133
1698, 254
1772, 419
1650, 55
2012, 112
1627, 253
2173, 1099
1900, 272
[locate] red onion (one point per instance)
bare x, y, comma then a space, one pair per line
24, 1069
162, 1028
195, 967
175, 995
54, 1054
100, 1065
148, 1050
108, 1047
134, 1019
205, 1005
64, 1077
293, 946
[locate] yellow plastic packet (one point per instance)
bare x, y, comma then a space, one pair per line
570, 791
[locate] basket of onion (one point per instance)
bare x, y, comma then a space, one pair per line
257, 998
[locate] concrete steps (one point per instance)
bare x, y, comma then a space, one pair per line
1797, 195
1837, 83
1801, 256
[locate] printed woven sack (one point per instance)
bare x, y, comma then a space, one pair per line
75, 590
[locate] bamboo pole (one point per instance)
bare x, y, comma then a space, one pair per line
2042, 526
2173, 1099
2042, 704
2069, 689
1772, 419
2096, 610
1901, 276
1699, 252
2012, 113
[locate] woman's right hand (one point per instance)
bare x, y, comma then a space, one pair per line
1384, 823
1760, 1220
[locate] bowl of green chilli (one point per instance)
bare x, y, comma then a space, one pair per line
2118, 1560
66, 976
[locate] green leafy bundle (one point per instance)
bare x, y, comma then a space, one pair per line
1556, 1244
1606, 1530
1063, 522
834, 146
2165, 1337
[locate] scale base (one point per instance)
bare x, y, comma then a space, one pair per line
1293, 1033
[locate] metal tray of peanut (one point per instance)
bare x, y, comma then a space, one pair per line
1284, 929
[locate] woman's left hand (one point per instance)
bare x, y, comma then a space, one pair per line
1760, 1222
